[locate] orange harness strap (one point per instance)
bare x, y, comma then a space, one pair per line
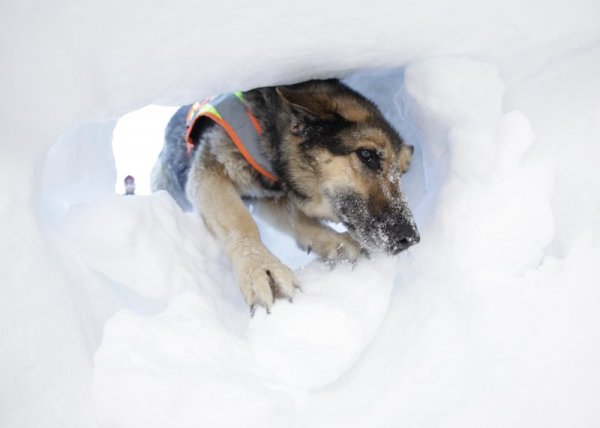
230, 112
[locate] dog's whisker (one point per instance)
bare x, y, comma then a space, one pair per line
411, 258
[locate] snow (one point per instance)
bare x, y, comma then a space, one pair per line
493, 209
320, 335
122, 311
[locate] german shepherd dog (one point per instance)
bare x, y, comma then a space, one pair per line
336, 158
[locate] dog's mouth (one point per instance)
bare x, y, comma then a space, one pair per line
392, 231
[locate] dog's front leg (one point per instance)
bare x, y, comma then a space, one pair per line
260, 274
310, 233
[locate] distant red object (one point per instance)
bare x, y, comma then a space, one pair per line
129, 185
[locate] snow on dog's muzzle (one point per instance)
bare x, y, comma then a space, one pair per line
391, 229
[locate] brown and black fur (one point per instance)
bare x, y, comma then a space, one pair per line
337, 160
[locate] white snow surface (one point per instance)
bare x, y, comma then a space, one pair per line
123, 312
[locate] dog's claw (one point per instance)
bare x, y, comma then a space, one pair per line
308, 250
253, 310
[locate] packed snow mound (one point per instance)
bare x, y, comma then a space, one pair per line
182, 368
265, 363
145, 245
312, 342
492, 207
164, 262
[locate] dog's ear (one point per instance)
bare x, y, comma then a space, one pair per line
312, 103
406, 153
306, 107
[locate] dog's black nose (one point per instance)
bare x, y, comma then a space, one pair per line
409, 241
407, 236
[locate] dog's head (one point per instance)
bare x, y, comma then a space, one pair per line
345, 162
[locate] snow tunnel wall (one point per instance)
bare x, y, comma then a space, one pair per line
79, 168
66, 63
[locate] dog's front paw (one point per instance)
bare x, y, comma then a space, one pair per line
334, 247
262, 278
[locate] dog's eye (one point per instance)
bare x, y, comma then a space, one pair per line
368, 157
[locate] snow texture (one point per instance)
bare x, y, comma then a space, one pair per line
123, 312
